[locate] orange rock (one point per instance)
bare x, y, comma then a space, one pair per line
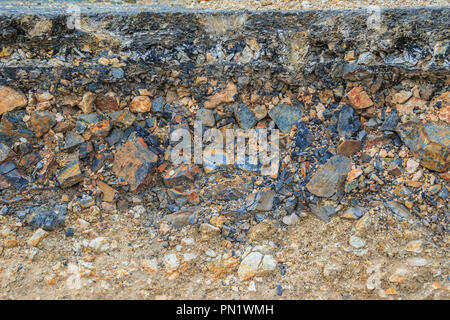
10, 242
11, 99
109, 193
141, 104
444, 114
390, 291
100, 129
224, 96
359, 99
133, 162
87, 103
355, 173
37, 237
218, 221
349, 147
408, 107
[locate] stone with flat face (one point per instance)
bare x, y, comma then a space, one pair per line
329, 179
133, 162
285, 116
359, 99
70, 173
11, 99
428, 142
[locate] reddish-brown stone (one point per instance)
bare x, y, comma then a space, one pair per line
349, 147
134, 163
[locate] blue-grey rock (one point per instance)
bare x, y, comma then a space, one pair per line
348, 122
391, 121
304, 137
245, 117
285, 116
158, 104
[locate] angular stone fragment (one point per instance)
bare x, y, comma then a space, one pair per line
256, 264
353, 213
109, 193
11, 99
428, 142
37, 237
359, 99
225, 96
285, 116
87, 103
107, 102
304, 137
349, 147
141, 104
133, 162
5, 153
180, 175
260, 112
398, 209
391, 121
320, 212
249, 265
206, 116
123, 119
329, 180
12, 128
260, 201
100, 129
41, 122
347, 122
70, 174
13, 175
245, 117
72, 140
47, 218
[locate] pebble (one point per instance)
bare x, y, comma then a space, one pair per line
171, 262
37, 237
291, 219
99, 244
357, 242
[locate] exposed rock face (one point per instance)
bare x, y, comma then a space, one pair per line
133, 162
329, 180
11, 99
428, 142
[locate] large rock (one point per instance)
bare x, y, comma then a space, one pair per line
359, 99
133, 162
428, 142
70, 173
245, 117
329, 180
285, 116
11, 99
41, 122
141, 104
